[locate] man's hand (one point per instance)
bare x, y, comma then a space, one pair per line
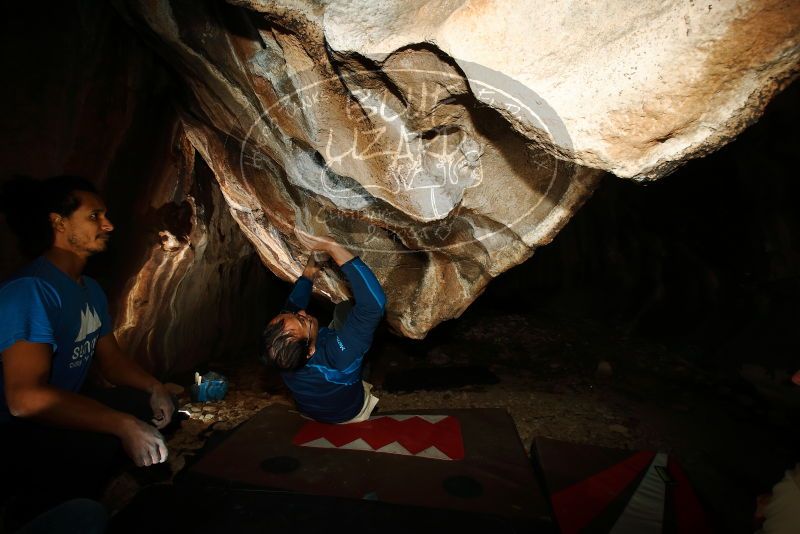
315, 242
143, 443
311, 269
161, 403
121, 370
325, 244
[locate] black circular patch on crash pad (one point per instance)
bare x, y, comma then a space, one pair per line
463, 486
280, 465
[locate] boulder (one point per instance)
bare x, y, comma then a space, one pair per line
444, 141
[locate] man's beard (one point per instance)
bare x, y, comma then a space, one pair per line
83, 245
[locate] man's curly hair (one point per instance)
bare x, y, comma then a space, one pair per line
279, 349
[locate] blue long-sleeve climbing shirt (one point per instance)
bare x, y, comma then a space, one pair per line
328, 388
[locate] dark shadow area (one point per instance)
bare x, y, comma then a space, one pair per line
438, 378
707, 257
241, 511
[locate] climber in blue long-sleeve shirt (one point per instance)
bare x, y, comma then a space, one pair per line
322, 366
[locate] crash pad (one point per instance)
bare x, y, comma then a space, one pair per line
462, 460
600, 489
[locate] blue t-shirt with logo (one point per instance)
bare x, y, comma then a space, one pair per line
42, 304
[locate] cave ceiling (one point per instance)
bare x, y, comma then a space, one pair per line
444, 141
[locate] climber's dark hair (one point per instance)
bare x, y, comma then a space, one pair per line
279, 349
28, 203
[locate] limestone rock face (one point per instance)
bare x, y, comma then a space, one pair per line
185, 302
445, 140
638, 86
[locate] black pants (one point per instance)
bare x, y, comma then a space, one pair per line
41, 466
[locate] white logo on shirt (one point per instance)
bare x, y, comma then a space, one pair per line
90, 322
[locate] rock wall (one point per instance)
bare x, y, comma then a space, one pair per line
444, 141
639, 86
396, 159
194, 283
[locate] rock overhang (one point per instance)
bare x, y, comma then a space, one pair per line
446, 141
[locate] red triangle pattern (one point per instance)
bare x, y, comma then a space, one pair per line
414, 434
576, 506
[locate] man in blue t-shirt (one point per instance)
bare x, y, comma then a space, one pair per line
322, 366
55, 322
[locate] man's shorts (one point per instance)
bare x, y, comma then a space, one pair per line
370, 401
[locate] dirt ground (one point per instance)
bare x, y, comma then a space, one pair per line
734, 431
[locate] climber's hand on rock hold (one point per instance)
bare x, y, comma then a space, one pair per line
314, 242
312, 268
325, 244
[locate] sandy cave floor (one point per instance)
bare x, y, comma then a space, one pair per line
734, 433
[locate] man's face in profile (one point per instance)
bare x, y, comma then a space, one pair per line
87, 228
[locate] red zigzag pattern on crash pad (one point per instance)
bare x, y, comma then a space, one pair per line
414, 433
